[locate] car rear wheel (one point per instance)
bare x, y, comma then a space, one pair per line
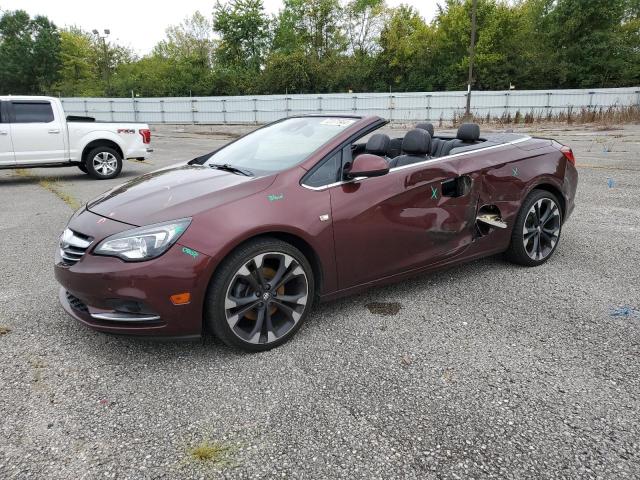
103, 163
260, 295
537, 229
83, 167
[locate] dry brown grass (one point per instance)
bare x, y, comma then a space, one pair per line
210, 452
600, 117
51, 184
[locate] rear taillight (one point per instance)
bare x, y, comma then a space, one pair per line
146, 135
568, 153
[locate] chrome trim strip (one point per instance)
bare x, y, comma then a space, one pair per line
124, 317
412, 165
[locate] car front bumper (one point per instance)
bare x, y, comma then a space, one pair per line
110, 295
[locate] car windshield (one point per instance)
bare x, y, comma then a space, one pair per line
281, 145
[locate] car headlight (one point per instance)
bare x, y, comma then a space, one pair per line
143, 243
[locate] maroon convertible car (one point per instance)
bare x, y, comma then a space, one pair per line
241, 241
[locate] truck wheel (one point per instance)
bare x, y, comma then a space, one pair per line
103, 163
83, 167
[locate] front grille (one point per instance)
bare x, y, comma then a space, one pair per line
73, 246
76, 303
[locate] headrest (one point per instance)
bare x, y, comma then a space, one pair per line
378, 144
416, 142
469, 132
425, 126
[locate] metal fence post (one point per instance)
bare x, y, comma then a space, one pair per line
224, 110
429, 107
391, 106
255, 110
161, 111
355, 104
286, 106
86, 110
111, 109
193, 111
319, 104
591, 99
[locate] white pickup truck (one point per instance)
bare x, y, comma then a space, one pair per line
34, 132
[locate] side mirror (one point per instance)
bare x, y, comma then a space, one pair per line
367, 165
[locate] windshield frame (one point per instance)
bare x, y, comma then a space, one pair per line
206, 158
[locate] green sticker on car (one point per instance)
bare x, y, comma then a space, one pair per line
190, 252
273, 197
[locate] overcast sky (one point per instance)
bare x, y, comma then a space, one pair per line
139, 24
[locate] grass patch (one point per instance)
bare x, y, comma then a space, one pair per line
4, 330
210, 452
51, 184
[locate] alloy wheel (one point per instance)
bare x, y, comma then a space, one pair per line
541, 229
105, 163
266, 297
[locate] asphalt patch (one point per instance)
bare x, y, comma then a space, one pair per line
384, 308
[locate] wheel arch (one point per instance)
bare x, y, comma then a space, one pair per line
292, 239
102, 142
551, 188
295, 240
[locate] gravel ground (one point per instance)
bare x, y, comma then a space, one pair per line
486, 370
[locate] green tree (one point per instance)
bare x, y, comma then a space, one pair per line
363, 21
192, 39
79, 74
407, 51
244, 30
29, 53
313, 26
589, 47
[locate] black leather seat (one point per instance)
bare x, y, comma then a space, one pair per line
378, 144
426, 126
435, 142
395, 148
415, 145
468, 134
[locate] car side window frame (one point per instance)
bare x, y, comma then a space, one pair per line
318, 166
12, 113
345, 148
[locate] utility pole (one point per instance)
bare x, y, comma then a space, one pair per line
106, 62
472, 52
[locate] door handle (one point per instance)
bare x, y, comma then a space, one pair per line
3, 132
54, 130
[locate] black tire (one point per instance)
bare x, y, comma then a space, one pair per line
534, 244
103, 163
83, 167
229, 285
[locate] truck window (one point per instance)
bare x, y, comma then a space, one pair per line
32, 112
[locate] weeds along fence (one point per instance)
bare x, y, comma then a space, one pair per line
502, 106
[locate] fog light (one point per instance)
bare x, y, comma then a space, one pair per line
180, 298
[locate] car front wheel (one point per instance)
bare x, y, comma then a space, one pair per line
103, 163
536, 232
260, 295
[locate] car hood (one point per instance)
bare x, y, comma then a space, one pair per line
175, 192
